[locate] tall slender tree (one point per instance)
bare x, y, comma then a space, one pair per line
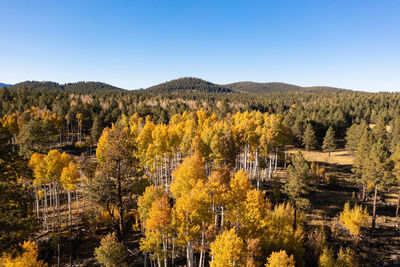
329, 141
309, 139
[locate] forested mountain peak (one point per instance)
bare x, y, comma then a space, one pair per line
81, 87
274, 87
188, 84
4, 85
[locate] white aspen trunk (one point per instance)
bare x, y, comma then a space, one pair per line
285, 160
222, 219
45, 209
77, 199
57, 196
245, 158
270, 167
276, 159
165, 172
173, 252
165, 251
189, 254
52, 199
69, 209
249, 172
201, 251
37, 202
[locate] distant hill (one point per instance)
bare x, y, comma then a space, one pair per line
79, 87
275, 87
188, 84
4, 84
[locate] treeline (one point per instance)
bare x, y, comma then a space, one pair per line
321, 110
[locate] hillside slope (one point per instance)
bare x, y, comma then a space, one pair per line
275, 87
78, 87
188, 84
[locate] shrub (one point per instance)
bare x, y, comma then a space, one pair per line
280, 259
80, 144
345, 258
353, 219
110, 252
327, 258
330, 179
27, 258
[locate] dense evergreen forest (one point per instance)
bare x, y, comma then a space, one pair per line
194, 173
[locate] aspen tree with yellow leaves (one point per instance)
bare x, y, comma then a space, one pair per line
228, 250
69, 178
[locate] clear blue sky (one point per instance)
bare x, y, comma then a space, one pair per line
134, 44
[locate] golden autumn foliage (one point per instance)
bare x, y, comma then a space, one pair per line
280, 259
145, 201
228, 250
69, 176
185, 177
354, 218
48, 168
158, 227
345, 258
28, 258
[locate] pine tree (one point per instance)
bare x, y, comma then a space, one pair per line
354, 135
96, 130
118, 170
298, 183
378, 170
361, 159
16, 220
329, 141
395, 157
309, 139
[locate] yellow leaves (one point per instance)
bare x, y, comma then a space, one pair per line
70, 176
28, 258
191, 212
145, 201
239, 185
186, 175
160, 215
256, 210
227, 250
101, 146
55, 163
280, 259
38, 165
353, 219
47, 168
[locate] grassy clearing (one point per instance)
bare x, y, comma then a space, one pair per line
338, 157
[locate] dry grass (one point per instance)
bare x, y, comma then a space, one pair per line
338, 157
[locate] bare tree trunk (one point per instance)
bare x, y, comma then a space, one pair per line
364, 192
294, 218
69, 209
37, 202
374, 208
398, 204
46, 210
189, 255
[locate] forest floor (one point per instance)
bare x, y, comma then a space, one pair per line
380, 247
